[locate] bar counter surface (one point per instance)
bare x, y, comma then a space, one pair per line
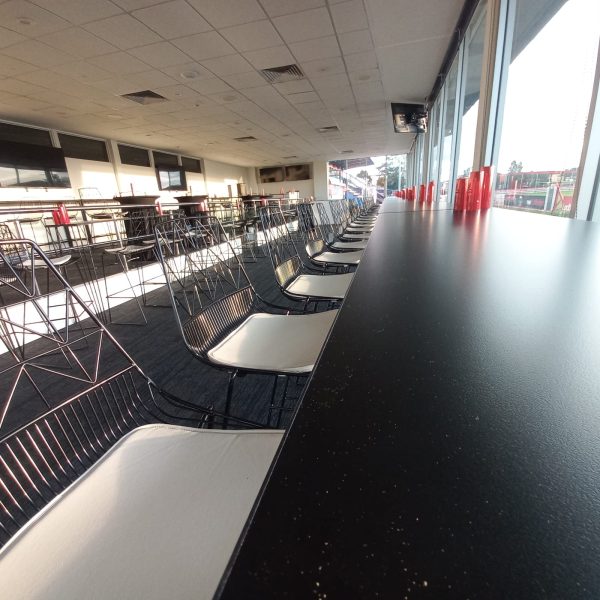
448, 444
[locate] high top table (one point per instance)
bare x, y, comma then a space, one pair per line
448, 444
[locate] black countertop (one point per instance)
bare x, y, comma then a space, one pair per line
448, 445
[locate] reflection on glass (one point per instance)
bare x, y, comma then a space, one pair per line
435, 136
8, 177
448, 132
32, 178
473, 60
548, 95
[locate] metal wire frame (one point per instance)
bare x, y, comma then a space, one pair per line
285, 259
333, 225
211, 292
314, 242
82, 402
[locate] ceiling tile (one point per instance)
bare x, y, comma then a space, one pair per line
323, 66
119, 62
12, 66
349, 16
135, 4
329, 82
325, 47
212, 85
78, 12
78, 42
151, 80
8, 37
37, 54
294, 87
204, 45
228, 12
172, 19
302, 97
176, 91
252, 36
83, 71
123, 31
241, 81
361, 60
306, 25
276, 8
21, 88
162, 54
39, 21
277, 56
188, 68
356, 41
365, 75
228, 65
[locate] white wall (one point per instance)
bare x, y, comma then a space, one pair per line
304, 187
219, 175
320, 176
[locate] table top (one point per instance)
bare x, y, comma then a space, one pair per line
448, 444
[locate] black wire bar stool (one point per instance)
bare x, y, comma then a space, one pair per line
222, 319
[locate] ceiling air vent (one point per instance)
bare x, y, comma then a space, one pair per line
248, 138
347, 151
330, 129
144, 97
282, 74
289, 157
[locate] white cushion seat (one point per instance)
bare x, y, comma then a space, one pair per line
337, 258
282, 343
321, 286
360, 228
158, 516
356, 245
356, 236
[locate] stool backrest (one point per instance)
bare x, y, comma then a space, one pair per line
68, 391
210, 291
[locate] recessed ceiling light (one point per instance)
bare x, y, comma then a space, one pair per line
25, 21
189, 74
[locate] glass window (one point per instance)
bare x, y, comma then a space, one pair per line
191, 164
434, 143
130, 155
24, 135
548, 93
472, 66
171, 179
162, 159
445, 186
8, 177
81, 147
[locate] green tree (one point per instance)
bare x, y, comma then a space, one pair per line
515, 167
364, 175
391, 169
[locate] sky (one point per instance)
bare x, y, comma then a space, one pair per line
549, 91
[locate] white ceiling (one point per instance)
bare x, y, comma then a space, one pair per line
64, 64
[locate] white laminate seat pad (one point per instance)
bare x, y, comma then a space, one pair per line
282, 343
356, 245
339, 258
321, 286
157, 517
356, 236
